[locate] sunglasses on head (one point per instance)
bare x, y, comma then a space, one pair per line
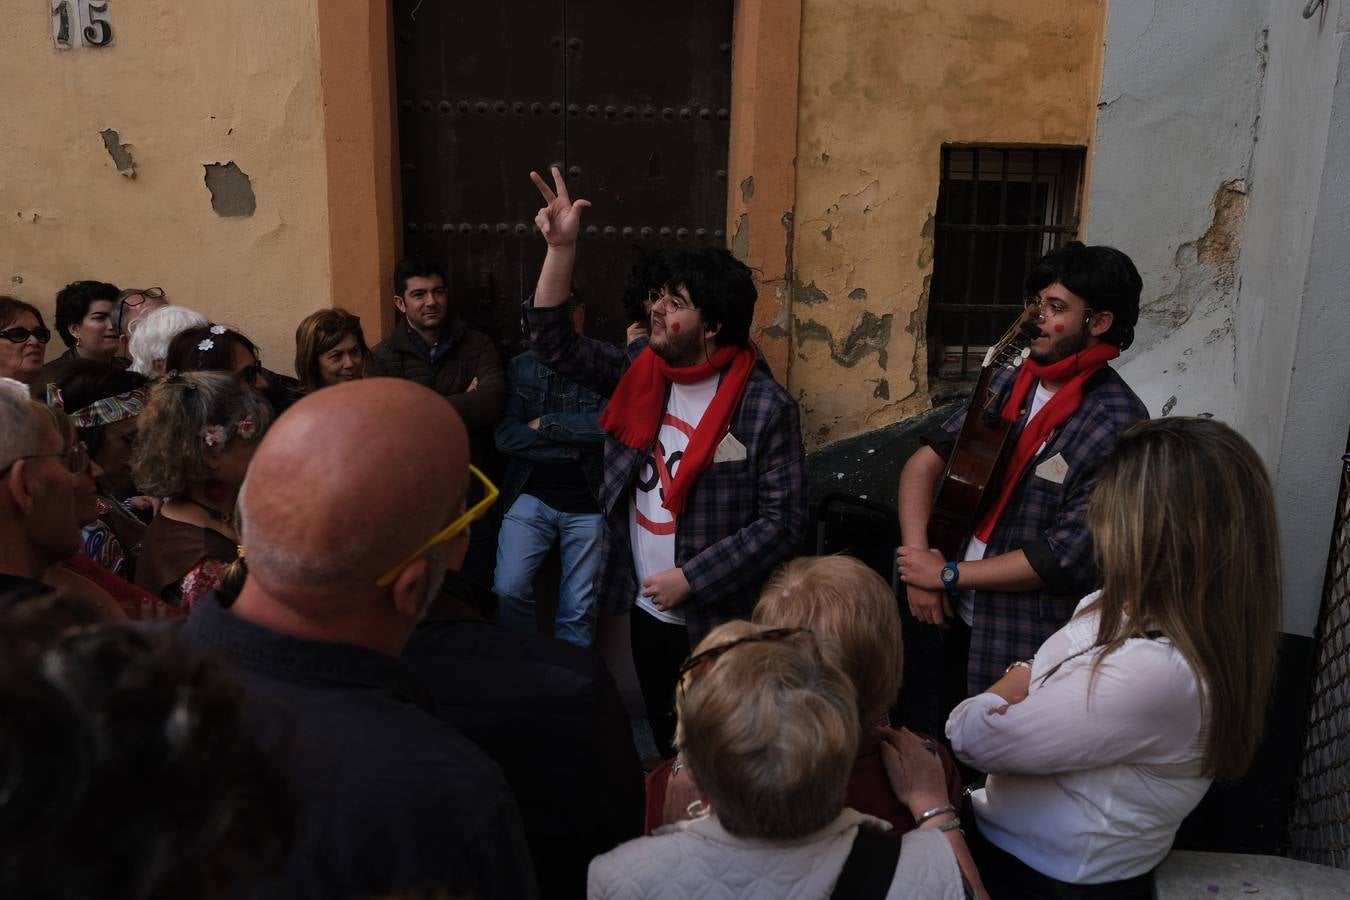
19, 335
712, 653
134, 297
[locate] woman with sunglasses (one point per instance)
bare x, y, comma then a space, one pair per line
80, 577
330, 348
1101, 744
220, 349
768, 729
23, 340
197, 436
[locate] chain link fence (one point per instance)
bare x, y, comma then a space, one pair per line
1320, 830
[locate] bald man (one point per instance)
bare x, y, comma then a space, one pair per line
340, 502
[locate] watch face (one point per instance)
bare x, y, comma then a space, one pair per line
948, 574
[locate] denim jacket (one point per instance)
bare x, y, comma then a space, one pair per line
569, 425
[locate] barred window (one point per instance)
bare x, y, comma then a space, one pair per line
999, 210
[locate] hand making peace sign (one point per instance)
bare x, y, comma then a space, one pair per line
560, 220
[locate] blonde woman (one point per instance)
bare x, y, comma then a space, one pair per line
768, 728
197, 436
1099, 746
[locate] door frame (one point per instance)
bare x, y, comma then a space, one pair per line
356, 68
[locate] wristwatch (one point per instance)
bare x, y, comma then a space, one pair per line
950, 577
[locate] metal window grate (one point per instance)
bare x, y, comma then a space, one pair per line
1320, 830
999, 209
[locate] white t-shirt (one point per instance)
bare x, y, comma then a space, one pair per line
1089, 786
975, 548
650, 525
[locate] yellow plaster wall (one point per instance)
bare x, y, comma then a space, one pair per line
186, 84
884, 84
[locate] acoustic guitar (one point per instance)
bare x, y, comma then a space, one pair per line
983, 446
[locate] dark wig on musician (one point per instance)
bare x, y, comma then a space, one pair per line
722, 289
1103, 276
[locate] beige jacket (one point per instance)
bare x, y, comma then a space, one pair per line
700, 859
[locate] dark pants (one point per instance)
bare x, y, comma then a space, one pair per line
955, 661
659, 649
1008, 878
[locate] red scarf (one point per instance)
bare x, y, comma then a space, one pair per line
635, 411
1057, 410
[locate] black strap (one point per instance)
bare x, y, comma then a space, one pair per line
870, 867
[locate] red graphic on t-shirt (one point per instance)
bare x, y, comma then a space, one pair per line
657, 473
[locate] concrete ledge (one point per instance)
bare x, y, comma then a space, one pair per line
1186, 874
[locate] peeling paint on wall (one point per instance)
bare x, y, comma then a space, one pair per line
1205, 266
740, 238
231, 190
120, 153
858, 294
747, 188
870, 335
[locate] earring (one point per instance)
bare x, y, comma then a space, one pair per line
698, 810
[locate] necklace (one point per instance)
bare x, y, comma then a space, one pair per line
215, 514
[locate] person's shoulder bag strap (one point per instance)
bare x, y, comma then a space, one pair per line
870, 867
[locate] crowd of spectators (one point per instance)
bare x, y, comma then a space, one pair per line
276, 636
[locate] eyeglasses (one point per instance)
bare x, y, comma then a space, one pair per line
76, 459
672, 300
340, 323
20, 335
126, 297
449, 532
1052, 307
712, 653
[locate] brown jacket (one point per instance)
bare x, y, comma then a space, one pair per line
471, 355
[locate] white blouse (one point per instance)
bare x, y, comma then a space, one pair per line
1086, 786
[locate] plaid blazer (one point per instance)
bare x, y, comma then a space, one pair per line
741, 520
1048, 522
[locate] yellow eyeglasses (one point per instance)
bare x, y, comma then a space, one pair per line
451, 531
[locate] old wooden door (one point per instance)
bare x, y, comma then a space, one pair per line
631, 99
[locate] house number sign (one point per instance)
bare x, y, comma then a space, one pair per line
81, 23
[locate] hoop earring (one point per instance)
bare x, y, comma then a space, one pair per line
698, 810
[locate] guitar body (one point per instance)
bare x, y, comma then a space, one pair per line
982, 448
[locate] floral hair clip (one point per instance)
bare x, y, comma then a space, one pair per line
247, 427
213, 435
205, 344
217, 329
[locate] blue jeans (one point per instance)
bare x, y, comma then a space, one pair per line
528, 532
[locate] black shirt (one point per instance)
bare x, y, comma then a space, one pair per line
550, 715
392, 800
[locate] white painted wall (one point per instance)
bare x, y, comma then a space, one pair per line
1294, 305
1196, 95
1181, 92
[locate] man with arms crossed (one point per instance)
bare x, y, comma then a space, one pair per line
704, 483
1029, 560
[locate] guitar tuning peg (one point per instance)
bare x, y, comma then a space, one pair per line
1026, 351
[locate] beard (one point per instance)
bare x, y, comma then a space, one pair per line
678, 349
1062, 347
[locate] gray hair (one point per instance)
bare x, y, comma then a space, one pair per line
149, 341
171, 453
18, 437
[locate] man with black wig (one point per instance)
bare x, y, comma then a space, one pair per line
703, 493
1029, 560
